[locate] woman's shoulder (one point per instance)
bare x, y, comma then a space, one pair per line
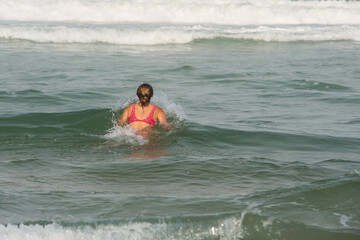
129, 108
160, 115
158, 109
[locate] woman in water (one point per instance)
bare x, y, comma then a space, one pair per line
143, 115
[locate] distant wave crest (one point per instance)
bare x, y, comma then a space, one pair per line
155, 22
173, 34
240, 12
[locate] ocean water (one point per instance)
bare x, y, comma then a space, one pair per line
263, 97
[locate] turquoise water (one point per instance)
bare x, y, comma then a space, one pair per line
265, 139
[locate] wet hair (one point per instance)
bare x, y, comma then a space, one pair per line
144, 92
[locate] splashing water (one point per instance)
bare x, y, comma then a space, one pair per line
171, 108
124, 135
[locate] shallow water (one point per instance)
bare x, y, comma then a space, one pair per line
265, 138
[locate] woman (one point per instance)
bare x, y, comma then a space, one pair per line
143, 115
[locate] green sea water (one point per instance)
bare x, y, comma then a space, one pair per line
264, 145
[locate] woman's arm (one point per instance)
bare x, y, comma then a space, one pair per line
161, 117
124, 117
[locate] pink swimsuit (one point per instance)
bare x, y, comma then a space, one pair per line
149, 120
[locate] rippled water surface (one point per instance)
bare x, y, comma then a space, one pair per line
266, 125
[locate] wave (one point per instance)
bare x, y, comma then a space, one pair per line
52, 123
135, 34
233, 12
214, 136
101, 122
88, 125
304, 84
325, 197
247, 224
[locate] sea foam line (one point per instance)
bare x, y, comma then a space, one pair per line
55, 231
232, 12
174, 34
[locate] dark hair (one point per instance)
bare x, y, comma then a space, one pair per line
144, 92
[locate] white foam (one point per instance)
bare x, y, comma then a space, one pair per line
232, 228
175, 34
353, 172
124, 102
344, 220
54, 231
62, 34
233, 12
170, 107
124, 136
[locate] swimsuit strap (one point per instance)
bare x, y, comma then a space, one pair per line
152, 112
132, 117
133, 109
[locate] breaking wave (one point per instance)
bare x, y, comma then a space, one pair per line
243, 12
